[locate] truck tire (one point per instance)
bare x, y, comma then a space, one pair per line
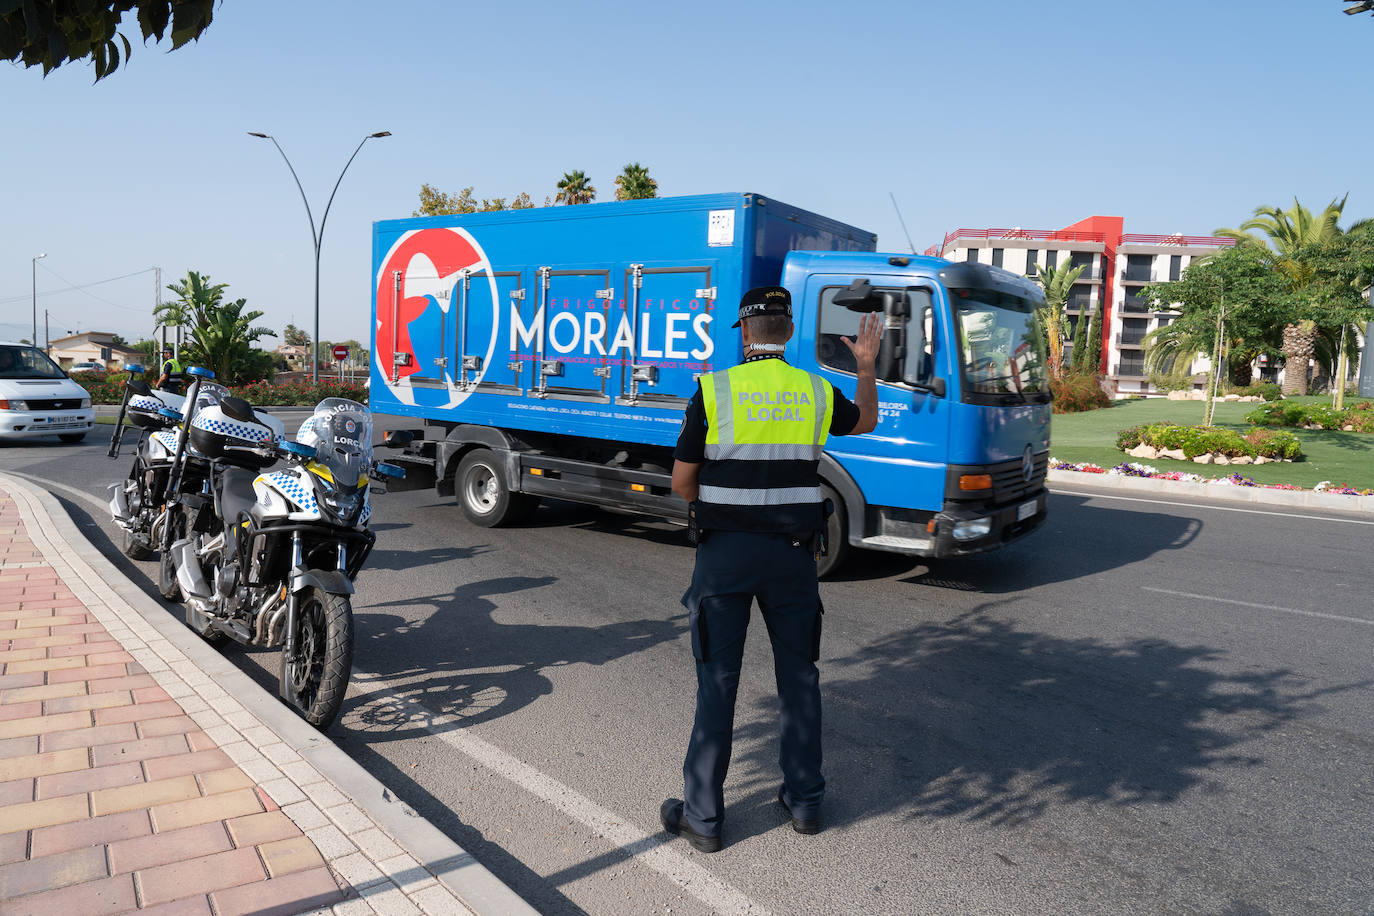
316, 682
837, 535
483, 495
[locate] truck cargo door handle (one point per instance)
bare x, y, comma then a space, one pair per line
550, 368
707, 293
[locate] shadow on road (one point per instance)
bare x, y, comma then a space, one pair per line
457, 666
985, 722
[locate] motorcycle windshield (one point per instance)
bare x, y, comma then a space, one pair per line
210, 394
342, 432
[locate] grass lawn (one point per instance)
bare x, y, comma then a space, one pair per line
1340, 457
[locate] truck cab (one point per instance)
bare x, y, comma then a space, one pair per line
958, 462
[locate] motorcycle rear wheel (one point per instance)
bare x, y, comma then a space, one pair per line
316, 681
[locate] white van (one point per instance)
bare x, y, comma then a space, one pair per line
38, 399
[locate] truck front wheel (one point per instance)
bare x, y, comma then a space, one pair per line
836, 535
483, 495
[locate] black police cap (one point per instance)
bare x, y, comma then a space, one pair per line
764, 300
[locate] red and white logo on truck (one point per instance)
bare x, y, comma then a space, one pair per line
422, 266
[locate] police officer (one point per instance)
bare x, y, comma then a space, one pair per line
746, 463
170, 379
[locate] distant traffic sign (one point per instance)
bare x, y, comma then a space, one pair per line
341, 353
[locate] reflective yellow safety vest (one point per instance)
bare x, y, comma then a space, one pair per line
766, 428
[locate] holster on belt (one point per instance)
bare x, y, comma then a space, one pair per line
696, 536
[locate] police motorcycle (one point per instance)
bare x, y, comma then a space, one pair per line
268, 558
137, 504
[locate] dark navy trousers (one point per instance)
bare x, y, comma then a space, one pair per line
732, 569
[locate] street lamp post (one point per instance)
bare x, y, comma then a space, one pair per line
34, 339
317, 238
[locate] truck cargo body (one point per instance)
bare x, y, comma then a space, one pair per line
557, 348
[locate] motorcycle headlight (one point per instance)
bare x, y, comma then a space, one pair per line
342, 508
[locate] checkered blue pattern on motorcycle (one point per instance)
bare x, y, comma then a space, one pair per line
367, 514
294, 490
143, 413
250, 431
167, 439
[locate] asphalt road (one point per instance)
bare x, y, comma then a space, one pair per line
1145, 707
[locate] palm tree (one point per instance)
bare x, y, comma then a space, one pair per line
575, 189
195, 297
223, 342
1290, 231
1056, 281
634, 183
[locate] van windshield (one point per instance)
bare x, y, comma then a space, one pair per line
27, 362
1000, 348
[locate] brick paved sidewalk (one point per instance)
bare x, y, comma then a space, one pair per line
140, 772
111, 797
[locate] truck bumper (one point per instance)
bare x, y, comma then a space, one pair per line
955, 531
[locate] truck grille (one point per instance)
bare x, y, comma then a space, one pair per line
53, 403
1008, 479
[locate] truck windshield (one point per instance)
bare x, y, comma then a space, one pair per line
1000, 349
26, 362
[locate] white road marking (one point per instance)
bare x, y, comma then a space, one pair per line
1262, 607
650, 850
1166, 502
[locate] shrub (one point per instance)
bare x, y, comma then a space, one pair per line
1077, 392
1129, 438
265, 394
1324, 416
1267, 390
1279, 413
1273, 443
108, 388
1201, 440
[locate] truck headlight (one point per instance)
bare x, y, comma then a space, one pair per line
972, 528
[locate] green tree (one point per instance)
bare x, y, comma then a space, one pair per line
293, 336
634, 183
1230, 306
195, 296
575, 188
50, 33
1057, 282
1293, 232
1340, 273
434, 202
223, 342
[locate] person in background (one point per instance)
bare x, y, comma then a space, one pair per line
170, 378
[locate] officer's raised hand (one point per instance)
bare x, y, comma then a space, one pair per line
865, 346
865, 350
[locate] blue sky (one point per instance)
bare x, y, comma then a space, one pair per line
1179, 116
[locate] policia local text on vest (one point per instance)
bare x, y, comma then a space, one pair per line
746, 463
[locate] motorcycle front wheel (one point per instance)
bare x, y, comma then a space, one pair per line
315, 682
167, 584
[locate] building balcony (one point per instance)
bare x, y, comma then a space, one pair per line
1130, 340
1144, 276
1136, 304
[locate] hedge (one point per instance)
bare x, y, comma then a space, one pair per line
1360, 417
1201, 440
109, 389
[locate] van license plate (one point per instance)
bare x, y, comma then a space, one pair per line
1025, 511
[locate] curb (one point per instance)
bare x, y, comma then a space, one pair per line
437, 856
1309, 499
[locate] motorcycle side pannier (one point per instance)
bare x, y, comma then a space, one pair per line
217, 429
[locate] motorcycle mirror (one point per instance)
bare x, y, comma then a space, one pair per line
133, 368
391, 470
296, 448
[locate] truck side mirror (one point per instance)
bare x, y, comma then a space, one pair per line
399, 438
892, 347
855, 296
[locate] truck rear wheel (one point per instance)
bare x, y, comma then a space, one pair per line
483, 495
836, 534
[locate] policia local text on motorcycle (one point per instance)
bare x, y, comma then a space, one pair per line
746, 463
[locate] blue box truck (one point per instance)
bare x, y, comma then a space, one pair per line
552, 351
